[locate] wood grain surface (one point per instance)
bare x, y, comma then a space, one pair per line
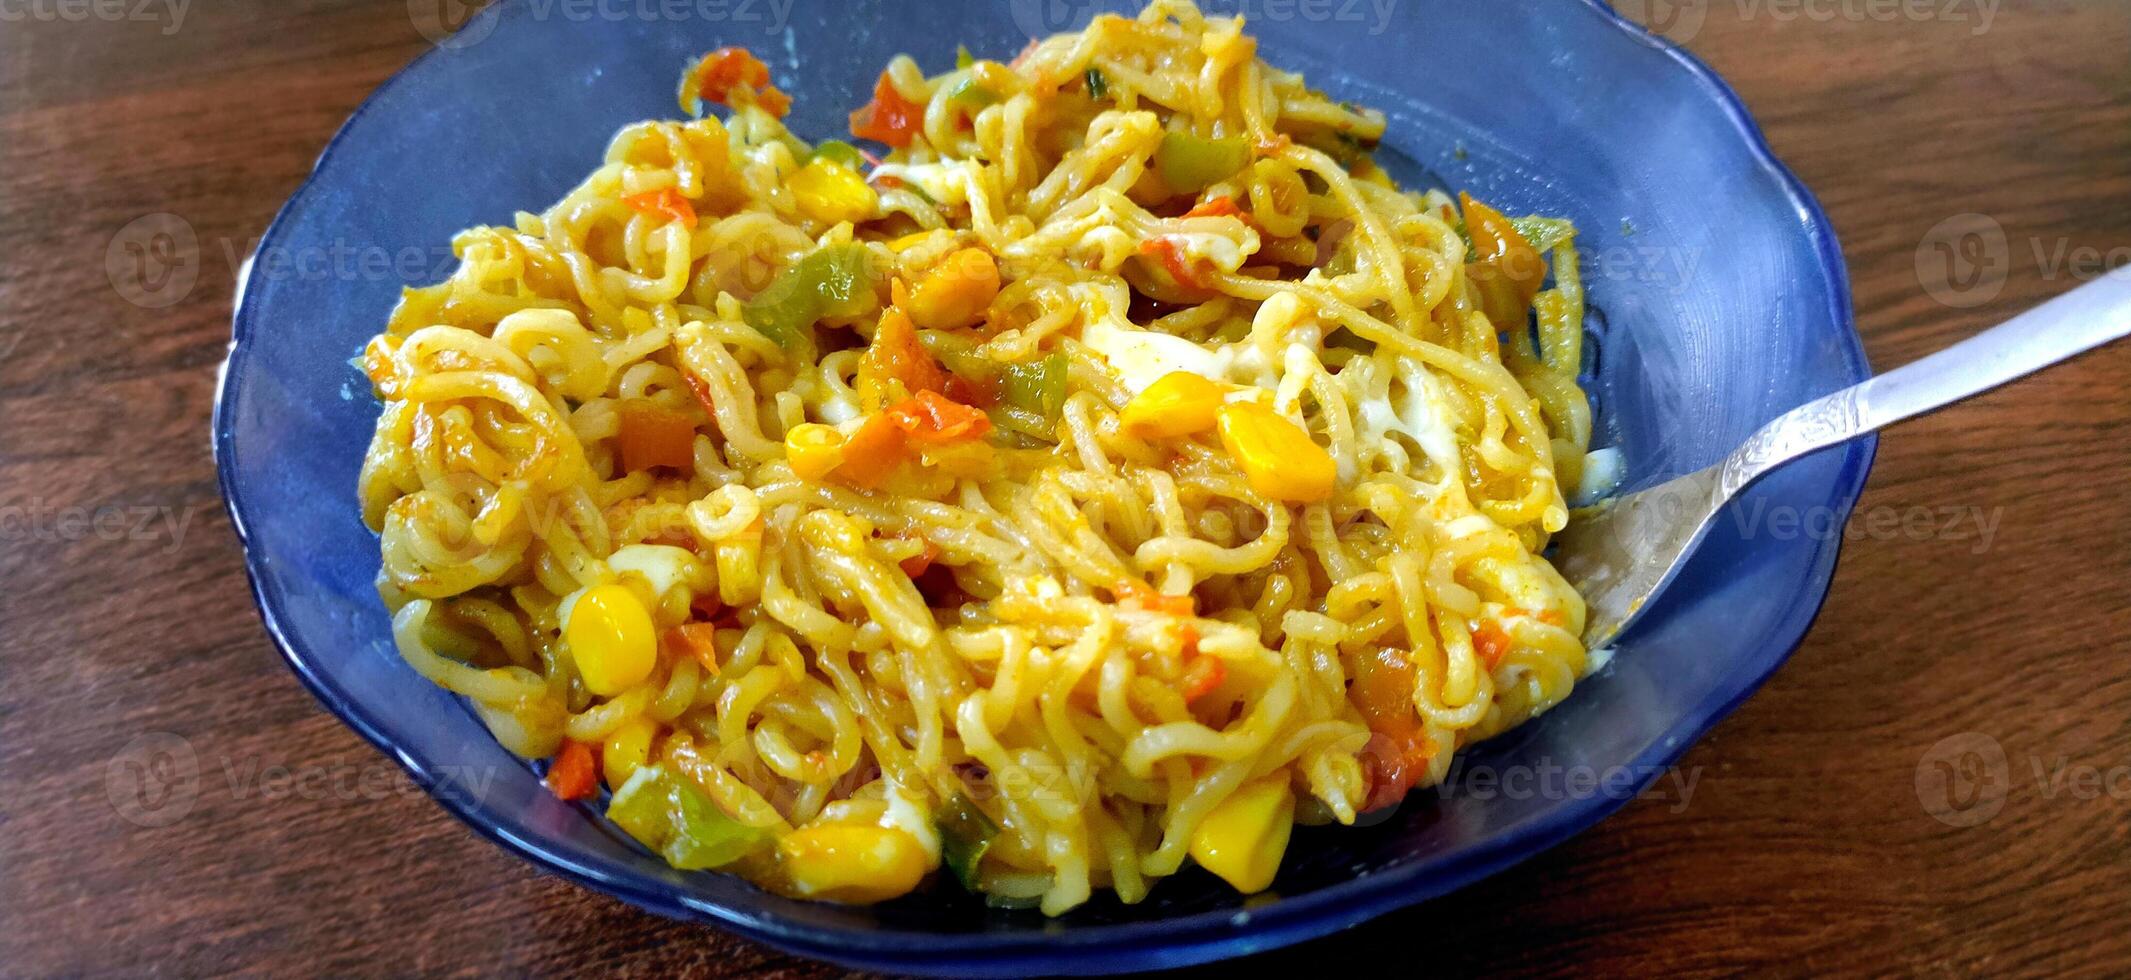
1823, 834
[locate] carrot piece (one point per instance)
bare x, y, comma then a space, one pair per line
728, 70
667, 202
698, 640
1138, 595
1202, 673
701, 389
872, 452
889, 118
1491, 643
897, 355
917, 564
654, 435
931, 419
574, 775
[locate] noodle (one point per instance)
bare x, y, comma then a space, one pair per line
1123, 470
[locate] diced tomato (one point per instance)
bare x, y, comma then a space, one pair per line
1138, 595
726, 70
573, 775
1187, 272
916, 565
701, 389
872, 452
1202, 673
1218, 207
897, 355
1397, 755
667, 203
654, 435
932, 419
698, 640
889, 118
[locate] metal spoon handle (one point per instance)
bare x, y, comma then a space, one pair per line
2073, 323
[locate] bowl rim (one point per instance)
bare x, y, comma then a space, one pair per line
1160, 943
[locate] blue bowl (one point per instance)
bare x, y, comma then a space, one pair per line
1719, 300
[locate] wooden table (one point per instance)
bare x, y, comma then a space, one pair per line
1822, 833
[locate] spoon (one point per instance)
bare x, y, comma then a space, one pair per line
1621, 552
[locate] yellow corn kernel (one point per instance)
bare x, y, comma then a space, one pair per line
739, 562
955, 292
610, 636
627, 750
814, 450
1176, 404
851, 863
1244, 837
830, 192
1276, 455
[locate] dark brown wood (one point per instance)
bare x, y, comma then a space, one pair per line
1806, 845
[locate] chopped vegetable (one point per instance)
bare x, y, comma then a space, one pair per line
966, 832
1189, 163
1246, 835
1176, 404
573, 775
1202, 673
851, 863
1506, 272
963, 58
698, 640
829, 192
839, 152
1544, 234
972, 93
1398, 751
1276, 455
1133, 594
955, 293
653, 435
627, 749
896, 364
889, 118
872, 452
667, 203
918, 564
835, 280
667, 813
930, 419
1188, 275
610, 637
1217, 207
1038, 386
1490, 643
813, 449
1098, 86
728, 73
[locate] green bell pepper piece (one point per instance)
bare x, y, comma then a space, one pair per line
667, 813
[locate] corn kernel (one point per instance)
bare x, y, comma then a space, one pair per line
956, 292
1276, 455
814, 450
851, 863
610, 636
1176, 404
627, 750
1244, 837
830, 192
